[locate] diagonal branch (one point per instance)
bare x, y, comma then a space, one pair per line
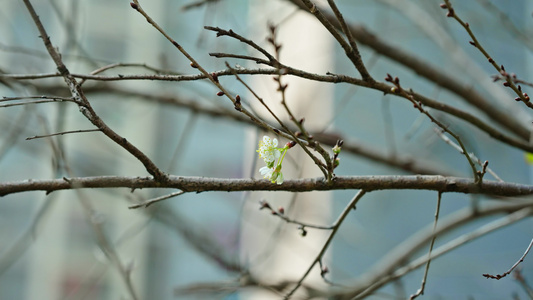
336, 226
350, 49
431, 72
84, 105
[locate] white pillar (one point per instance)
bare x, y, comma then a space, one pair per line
275, 250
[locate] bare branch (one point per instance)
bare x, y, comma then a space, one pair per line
336, 226
390, 269
149, 202
500, 276
426, 270
61, 133
476, 43
204, 184
351, 53
83, 103
426, 69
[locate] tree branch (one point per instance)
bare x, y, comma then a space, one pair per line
434, 74
84, 104
205, 184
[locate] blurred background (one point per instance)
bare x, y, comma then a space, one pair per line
87, 244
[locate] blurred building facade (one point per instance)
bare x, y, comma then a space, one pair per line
70, 245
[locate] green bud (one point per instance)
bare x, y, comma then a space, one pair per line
336, 149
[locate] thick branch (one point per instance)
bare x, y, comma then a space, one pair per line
206, 184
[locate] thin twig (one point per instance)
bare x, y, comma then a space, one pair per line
522, 281
507, 22
244, 57
397, 89
426, 270
281, 215
61, 133
41, 99
11, 136
354, 50
500, 276
31, 102
119, 65
386, 275
351, 53
197, 4
500, 68
336, 226
231, 33
147, 203
472, 155
5, 99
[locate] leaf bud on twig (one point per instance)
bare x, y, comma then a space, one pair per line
324, 271
450, 13
303, 232
336, 149
238, 103
290, 144
336, 162
264, 204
